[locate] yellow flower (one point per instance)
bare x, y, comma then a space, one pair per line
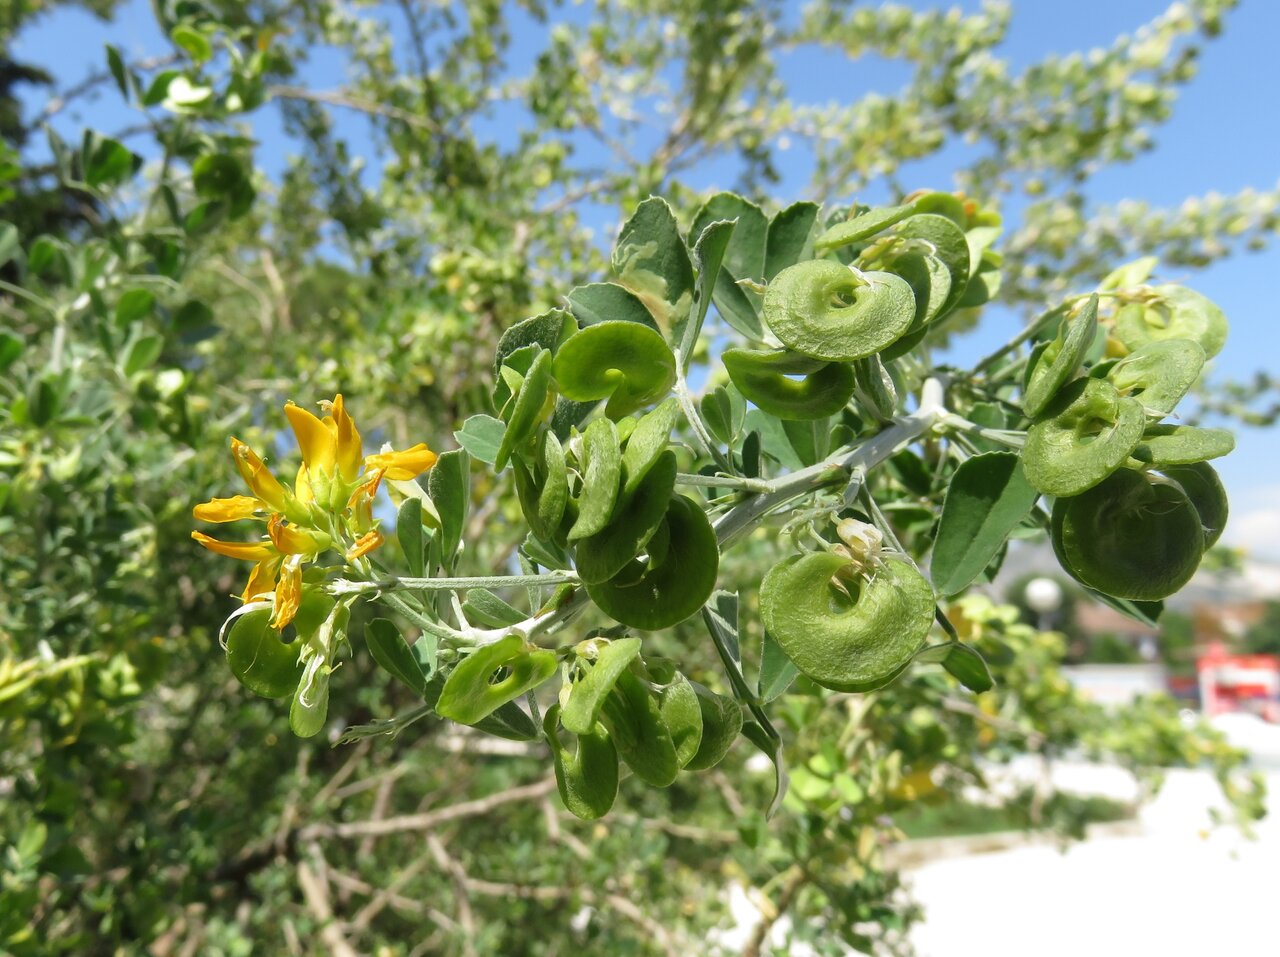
365, 544
402, 466
258, 477
265, 554
331, 505
227, 509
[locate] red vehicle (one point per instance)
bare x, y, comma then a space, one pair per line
1231, 683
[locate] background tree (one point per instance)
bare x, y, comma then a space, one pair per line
169, 281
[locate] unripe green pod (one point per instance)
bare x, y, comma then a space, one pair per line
1129, 537
762, 377
585, 696
949, 245
525, 409
1158, 374
721, 725
469, 693
1201, 484
851, 640
930, 283
603, 555
862, 227
587, 778
624, 362
1175, 313
600, 480
544, 492
1182, 445
634, 719
1053, 365
805, 309
679, 577
1086, 434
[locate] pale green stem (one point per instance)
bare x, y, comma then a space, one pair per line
705, 441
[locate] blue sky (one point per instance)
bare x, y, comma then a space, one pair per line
1224, 137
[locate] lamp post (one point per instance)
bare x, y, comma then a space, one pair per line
1044, 597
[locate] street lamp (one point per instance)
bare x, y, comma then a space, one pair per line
1044, 597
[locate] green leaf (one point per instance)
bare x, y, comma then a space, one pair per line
141, 354
790, 238
393, 654
606, 301
10, 244
777, 671
547, 330
470, 692
624, 362
988, 496
133, 305
481, 435
115, 63
259, 659
771, 747
107, 162
409, 534
193, 42
743, 258
965, 665
651, 260
484, 607
708, 254
586, 695
449, 487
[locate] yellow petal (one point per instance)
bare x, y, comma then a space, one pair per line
291, 540
245, 551
350, 448
288, 594
316, 442
402, 466
364, 545
227, 509
256, 475
302, 486
262, 580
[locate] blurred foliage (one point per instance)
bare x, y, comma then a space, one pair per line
160, 288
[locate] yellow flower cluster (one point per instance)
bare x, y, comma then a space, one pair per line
330, 506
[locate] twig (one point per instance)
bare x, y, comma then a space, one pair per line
454, 869
317, 897
347, 101
790, 889
431, 819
